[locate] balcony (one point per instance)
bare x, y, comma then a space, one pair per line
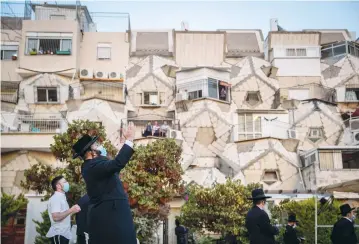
253, 127
330, 165
33, 131
112, 91
305, 92
340, 48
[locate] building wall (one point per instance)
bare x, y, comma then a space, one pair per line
199, 48
119, 52
297, 67
46, 63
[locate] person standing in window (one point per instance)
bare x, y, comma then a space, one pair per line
148, 130
164, 129
59, 212
156, 129
181, 233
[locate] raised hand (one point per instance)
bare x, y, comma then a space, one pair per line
129, 133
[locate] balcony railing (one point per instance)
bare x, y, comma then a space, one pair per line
34, 123
340, 48
352, 123
262, 128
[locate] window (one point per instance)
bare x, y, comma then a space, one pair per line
270, 176
315, 134
7, 51
48, 45
350, 160
296, 52
352, 94
253, 98
47, 95
250, 126
57, 17
150, 98
103, 51
212, 88
194, 94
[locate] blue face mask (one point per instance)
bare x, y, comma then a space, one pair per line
66, 187
102, 150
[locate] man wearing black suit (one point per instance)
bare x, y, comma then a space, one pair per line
257, 221
110, 218
343, 231
81, 219
290, 234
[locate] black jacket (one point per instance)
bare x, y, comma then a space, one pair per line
259, 228
182, 234
343, 232
290, 235
110, 217
81, 217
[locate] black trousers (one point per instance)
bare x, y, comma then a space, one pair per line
81, 239
59, 240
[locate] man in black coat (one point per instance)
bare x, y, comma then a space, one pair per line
81, 219
343, 231
290, 234
257, 221
110, 218
181, 233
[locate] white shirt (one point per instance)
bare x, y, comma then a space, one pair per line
57, 204
348, 219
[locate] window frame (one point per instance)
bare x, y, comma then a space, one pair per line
295, 52
254, 133
142, 103
28, 52
316, 138
356, 90
106, 46
47, 94
258, 95
10, 48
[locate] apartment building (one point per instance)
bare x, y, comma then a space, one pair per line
281, 111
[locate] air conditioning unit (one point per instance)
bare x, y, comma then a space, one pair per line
181, 96
86, 73
101, 75
292, 134
115, 75
356, 137
175, 134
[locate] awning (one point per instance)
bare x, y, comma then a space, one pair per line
222, 83
149, 117
347, 186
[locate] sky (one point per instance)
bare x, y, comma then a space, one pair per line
213, 15
201, 15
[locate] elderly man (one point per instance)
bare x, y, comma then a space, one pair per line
343, 231
110, 218
257, 221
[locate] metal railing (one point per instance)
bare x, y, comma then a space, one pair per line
34, 123
340, 48
352, 123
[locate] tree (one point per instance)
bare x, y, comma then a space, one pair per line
151, 179
10, 206
305, 212
219, 209
42, 227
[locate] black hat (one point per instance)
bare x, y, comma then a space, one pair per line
345, 209
83, 144
258, 194
292, 218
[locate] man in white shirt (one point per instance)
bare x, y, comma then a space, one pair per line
60, 213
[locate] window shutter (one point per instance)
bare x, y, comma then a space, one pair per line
35, 94
138, 99
162, 98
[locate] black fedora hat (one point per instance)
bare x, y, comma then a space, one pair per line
83, 144
292, 218
258, 194
345, 209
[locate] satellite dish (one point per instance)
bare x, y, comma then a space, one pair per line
184, 26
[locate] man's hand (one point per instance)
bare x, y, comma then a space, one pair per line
75, 209
129, 133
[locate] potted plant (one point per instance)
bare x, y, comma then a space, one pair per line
33, 51
14, 57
